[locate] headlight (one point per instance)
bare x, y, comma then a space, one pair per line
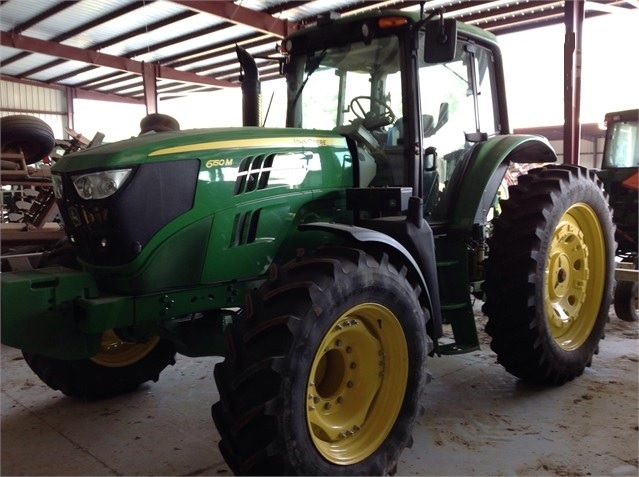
98, 185
57, 185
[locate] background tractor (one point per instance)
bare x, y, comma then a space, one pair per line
322, 260
620, 175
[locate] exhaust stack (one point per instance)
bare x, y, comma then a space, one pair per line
251, 88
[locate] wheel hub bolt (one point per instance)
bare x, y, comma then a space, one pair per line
562, 275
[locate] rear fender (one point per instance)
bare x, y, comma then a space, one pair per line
485, 169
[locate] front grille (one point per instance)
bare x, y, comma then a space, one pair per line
113, 231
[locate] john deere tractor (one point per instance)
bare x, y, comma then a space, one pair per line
324, 260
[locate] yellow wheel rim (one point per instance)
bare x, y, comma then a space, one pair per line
357, 384
116, 353
575, 277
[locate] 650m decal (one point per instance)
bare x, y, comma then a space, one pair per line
218, 163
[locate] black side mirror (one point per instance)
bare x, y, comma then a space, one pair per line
430, 158
440, 40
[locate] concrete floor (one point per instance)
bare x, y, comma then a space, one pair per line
479, 420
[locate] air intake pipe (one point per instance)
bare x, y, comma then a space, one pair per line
251, 88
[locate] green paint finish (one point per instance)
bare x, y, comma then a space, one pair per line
208, 144
253, 188
38, 312
231, 202
456, 305
169, 260
247, 199
484, 163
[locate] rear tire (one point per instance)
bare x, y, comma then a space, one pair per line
325, 369
120, 367
28, 134
549, 274
627, 301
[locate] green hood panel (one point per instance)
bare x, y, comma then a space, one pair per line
195, 143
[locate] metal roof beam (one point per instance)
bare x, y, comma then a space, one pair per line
99, 96
251, 41
93, 57
186, 56
606, 8
60, 78
241, 16
37, 69
105, 44
42, 16
538, 19
34, 21
99, 81
144, 29
70, 33
173, 41
150, 85
490, 12
78, 92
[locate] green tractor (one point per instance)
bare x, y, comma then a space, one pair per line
324, 260
620, 174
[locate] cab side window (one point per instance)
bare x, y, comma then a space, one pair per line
458, 107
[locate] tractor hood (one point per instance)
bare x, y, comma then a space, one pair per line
194, 143
149, 212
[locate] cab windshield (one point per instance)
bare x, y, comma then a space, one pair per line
356, 83
622, 145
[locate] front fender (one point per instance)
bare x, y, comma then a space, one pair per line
485, 168
363, 235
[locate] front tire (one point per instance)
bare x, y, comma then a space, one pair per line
549, 274
325, 369
118, 368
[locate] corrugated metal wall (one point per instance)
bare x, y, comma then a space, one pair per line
590, 152
48, 104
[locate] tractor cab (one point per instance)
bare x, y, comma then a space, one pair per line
619, 173
411, 104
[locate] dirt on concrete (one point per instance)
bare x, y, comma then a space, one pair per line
478, 420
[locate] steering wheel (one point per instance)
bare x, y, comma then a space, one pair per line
371, 120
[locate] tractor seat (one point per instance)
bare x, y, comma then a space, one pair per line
429, 126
